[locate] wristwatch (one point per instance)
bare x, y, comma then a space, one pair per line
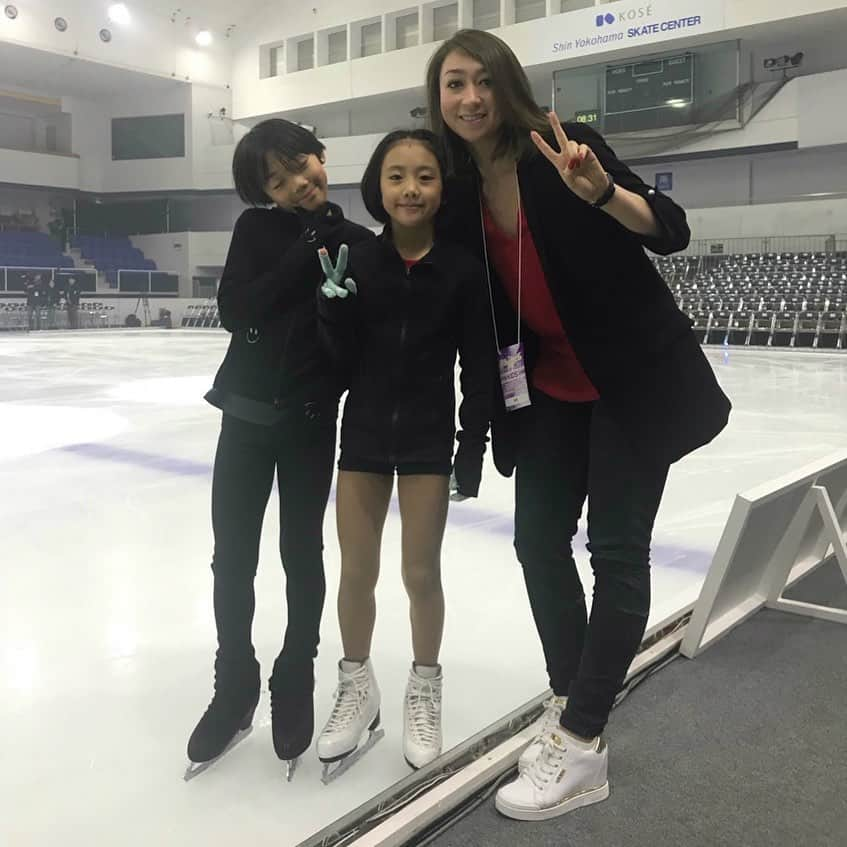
607, 194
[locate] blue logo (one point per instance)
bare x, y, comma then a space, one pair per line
608, 18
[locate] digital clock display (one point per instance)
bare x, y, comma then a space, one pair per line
587, 116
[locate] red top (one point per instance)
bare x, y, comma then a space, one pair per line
410, 262
557, 372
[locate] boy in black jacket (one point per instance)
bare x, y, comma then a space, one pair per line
279, 398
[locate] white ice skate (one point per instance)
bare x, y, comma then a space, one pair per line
356, 711
422, 719
549, 720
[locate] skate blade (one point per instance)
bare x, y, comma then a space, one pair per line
196, 768
290, 767
332, 770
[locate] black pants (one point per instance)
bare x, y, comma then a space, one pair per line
34, 317
568, 451
302, 453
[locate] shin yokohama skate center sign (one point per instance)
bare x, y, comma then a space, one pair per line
614, 26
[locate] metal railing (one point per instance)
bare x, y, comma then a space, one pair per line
88, 315
147, 283
825, 243
11, 277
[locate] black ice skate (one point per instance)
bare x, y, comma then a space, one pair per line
228, 719
292, 711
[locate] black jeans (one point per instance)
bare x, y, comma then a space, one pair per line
568, 451
302, 454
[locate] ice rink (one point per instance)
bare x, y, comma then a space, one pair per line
106, 627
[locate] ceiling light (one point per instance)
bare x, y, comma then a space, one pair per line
203, 38
61, 24
119, 14
11, 12
105, 35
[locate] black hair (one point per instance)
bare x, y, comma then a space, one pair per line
371, 191
285, 140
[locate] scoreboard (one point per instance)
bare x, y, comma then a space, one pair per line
655, 84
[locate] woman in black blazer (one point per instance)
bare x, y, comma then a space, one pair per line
616, 386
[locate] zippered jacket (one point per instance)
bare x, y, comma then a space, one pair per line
266, 299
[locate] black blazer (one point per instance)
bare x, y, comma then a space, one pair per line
635, 345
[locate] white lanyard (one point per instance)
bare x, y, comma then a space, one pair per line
511, 361
520, 263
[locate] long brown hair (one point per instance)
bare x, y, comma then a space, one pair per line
519, 112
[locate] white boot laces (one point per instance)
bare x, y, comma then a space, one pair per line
348, 699
423, 699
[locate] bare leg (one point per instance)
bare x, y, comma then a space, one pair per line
423, 511
362, 504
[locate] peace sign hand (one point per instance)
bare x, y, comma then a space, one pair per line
576, 163
331, 286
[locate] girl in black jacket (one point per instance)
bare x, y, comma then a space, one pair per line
417, 302
279, 398
616, 387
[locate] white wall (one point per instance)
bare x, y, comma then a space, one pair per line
170, 251
151, 174
743, 13
91, 136
212, 138
764, 178
39, 169
537, 42
150, 43
557, 41
183, 253
208, 249
818, 217
822, 101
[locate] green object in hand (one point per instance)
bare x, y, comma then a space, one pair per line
331, 286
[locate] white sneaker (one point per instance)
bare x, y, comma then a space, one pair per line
548, 722
566, 775
356, 710
422, 719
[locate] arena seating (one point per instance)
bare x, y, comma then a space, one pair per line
202, 315
31, 250
767, 299
111, 255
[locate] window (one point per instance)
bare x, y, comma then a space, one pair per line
529, 10
337, 47
275, 57
407, 30
445, 21
573, 5
305, 54
486, 14
371, 39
